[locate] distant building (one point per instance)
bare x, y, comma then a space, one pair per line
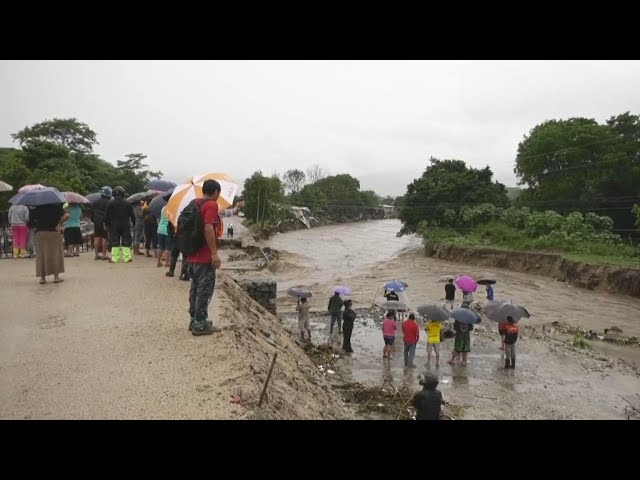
389, 210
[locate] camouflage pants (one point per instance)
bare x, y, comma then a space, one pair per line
203, 281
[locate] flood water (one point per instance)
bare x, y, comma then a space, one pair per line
564, 383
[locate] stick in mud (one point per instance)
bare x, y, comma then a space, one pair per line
266, 383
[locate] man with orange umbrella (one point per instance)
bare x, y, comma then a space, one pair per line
197, 226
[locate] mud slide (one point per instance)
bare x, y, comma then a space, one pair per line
618, 280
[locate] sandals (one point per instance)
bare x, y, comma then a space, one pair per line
60, 280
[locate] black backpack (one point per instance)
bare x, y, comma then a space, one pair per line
191, 228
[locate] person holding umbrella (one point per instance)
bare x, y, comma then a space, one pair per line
510, 339
119, 219
463, 326
49, 216
72, 231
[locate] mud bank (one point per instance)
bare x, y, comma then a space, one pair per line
622, 281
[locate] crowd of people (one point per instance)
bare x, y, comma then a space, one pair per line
123, 229
429, 399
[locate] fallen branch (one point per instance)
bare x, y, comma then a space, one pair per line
488, 398
266, 383
630, 404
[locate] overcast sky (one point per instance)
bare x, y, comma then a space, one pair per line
377, 120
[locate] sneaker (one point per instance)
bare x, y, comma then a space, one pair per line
206, 331
169, 274
191, 325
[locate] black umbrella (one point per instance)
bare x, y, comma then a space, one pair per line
149, 194
486, 280
434, 312
157, 204
299, 292
37, 197
465, 315
160, 185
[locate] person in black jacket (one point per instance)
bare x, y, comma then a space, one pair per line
119, 220
348, 317
428, 401
449, 293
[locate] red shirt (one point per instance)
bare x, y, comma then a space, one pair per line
410, 331
209, 214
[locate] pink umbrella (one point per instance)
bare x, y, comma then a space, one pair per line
27, 188
466, 283
72, 197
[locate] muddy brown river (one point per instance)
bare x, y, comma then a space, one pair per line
553, 379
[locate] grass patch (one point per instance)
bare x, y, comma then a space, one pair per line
578, 341
499, 236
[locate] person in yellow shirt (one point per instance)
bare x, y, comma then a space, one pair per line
434, 336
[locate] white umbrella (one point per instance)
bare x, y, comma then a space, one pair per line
5, 187
183, 194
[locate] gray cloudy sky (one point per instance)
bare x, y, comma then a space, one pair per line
377, 120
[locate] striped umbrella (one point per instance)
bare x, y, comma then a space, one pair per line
192, 188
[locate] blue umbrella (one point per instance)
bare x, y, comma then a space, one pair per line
161, 185
40, 196
464, 315
395, 286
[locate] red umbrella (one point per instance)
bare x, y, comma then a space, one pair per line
72, 197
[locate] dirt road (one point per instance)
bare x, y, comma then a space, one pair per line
111, 342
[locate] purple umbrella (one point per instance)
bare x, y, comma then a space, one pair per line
466, 283
342, 290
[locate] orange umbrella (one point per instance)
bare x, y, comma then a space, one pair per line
192, 188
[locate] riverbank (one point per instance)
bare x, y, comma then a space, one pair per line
608, 278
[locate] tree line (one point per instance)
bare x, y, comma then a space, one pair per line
562, 165
60, 153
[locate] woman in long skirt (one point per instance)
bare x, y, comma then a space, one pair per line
49, 245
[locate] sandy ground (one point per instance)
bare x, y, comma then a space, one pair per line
111, 342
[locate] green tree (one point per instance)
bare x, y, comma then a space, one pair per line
438, 196
134, 173
293, 180
65, 132
581, 164
263, 196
